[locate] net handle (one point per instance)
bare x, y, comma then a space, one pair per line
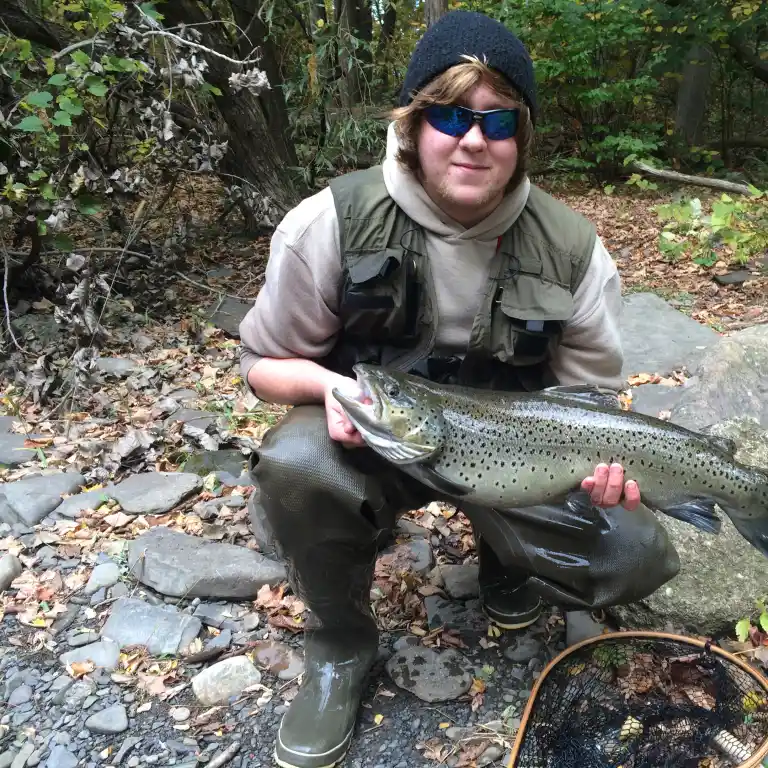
754, 762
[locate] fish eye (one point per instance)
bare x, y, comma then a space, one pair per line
392, 390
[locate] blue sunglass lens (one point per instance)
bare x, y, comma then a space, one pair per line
501, 125
455, 121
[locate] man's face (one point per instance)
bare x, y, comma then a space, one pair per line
466, 176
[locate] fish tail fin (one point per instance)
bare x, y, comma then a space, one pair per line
697, 512
755, 528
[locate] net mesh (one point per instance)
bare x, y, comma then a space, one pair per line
644, 703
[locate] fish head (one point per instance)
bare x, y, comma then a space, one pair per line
395, 417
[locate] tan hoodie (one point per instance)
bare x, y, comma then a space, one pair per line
295, 313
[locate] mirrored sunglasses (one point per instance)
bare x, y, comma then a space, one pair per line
496, 124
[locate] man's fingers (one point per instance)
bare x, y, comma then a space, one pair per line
601, 479
631, 495
614, 486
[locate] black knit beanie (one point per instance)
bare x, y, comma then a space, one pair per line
467, 32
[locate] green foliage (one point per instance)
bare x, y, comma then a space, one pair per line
753, 624
734, 231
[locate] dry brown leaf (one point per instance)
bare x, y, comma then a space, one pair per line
469, 754
118, 520
80, 668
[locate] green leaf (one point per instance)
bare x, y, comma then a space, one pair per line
212, 89
47, 191
30, 124
37, 175
42, 227
81, 58
39, 99
764, 621
58, 80
72, 105
742, 630
61, 118
63, 243
95, 85
87, 204
151, 11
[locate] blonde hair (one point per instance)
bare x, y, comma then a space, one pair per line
447, 88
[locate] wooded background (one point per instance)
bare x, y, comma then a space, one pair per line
105, 105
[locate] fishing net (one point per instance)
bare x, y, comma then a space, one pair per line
644, 700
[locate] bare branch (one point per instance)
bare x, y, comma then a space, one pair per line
81, 44
684, 178
6, 269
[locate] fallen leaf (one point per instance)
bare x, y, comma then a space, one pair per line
118, 520
80, 668
378, 719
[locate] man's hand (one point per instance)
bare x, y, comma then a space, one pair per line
607, 485
340, 428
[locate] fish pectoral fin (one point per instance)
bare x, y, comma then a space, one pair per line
587, 394
431, 477
697, 512
396, 451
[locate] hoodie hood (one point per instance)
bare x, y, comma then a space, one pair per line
406, 190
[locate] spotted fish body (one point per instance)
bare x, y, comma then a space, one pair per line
515, 450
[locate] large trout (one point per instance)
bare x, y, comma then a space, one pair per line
510, 450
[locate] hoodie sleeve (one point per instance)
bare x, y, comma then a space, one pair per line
590, 351
295, 312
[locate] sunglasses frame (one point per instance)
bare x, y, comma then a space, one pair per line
477, 116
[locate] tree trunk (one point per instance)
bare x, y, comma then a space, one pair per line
259, 143
383, 52
692, 94
433, 10
26, 23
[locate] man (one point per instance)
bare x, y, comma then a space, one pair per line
444, 261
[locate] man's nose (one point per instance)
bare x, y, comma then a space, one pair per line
474, 138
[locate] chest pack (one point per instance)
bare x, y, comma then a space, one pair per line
388, 302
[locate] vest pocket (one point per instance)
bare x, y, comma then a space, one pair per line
380, 297
528, 316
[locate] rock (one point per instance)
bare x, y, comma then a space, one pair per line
429, 675
61, 757
222, 640
108, 721
251, 622
260, 525
128, 744
10, 569
278, 659
721, 576
119, 367
201, 420
731, 381
579, 625
24, 754
460, 580
221, 681
228, 314
524, 650
77, 639
491, 754
177, 564
142, 342
733, 278
214, 614
7, 758
184, 395
103, 575
6, 424
161, 631
12, 450
227, 464
404, 525
32, 498
154, 493
465, 617
659, 339
72, 506
105, 653
180, 714
20, 695
652, 399
414, 555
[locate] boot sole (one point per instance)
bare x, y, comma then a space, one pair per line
513, 622
288, 758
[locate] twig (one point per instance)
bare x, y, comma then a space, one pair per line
684, 178
207, 287
6, 269
81, 44
200, 47
224, 757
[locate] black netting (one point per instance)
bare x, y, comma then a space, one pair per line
644, 703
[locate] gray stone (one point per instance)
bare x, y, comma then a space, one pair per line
20, 695
214, 614
413, 555
103, 575
222, 640
659, 339
7, 758
177, 564
652, 399
228, 314
154, 493
429, 675
119, 590
6, 424
73, 696
226, 679
32, 498
579, 625
72, 506
184, 395
77, 639
465, 617
142, 342
491, 754
260, 525
12, 450
61, 757
160, 630
119, 367
108, 721
24, 754
525, 649
404, 525
10, 569
720, 576
460, 580
127, 745
251, 622
105, 653
66, 619
731, 381
200, 419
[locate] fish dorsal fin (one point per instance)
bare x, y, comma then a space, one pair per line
725, 444
587, 394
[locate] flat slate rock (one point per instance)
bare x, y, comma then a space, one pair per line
730, 381
108, 721
225, 680
12, 450
228, 315
200, 419
656, 338
652, 399
160, 630
104, 654
154, 493
429, 675
6, 424
228, 461
34, 497
73, 505
120, 367
721, 576
176, 564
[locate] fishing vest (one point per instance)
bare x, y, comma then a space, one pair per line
387, 301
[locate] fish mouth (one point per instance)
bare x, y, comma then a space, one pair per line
364, 409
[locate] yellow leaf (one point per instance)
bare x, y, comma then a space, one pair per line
80, 668
443, 726
378, 719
